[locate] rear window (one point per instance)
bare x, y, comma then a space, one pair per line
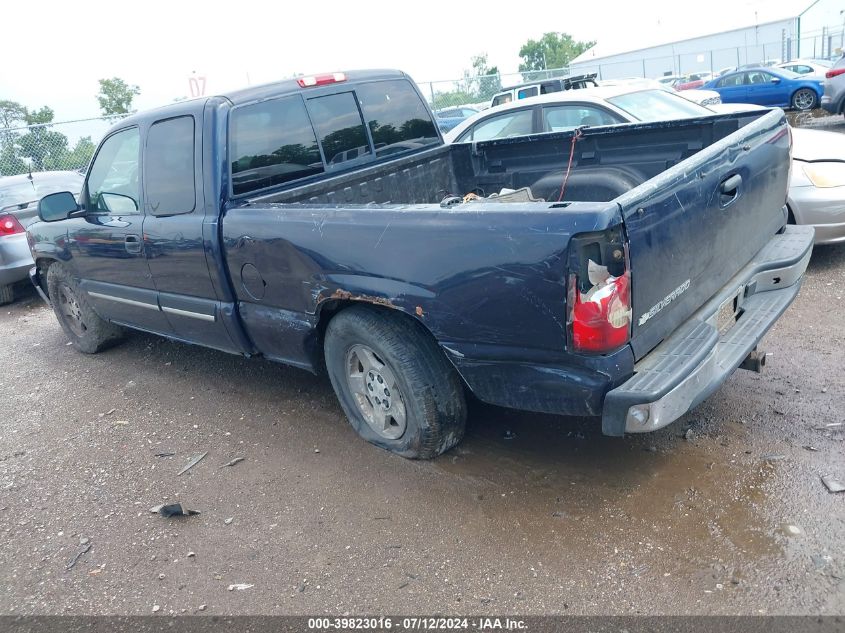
272, 143
658, 105
524, 93
397, 117
339, 127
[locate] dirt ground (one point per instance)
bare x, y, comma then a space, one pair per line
531, 514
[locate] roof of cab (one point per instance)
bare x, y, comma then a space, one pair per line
256, 93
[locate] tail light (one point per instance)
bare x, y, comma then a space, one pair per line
9, 225
599, 293
830, 74
601, 318
320, 80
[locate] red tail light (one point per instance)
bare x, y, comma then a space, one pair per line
9, 225
601, 318
320, 80
830, 74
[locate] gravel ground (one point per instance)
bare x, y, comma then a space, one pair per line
723, 512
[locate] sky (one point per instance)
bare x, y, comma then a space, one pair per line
58, 49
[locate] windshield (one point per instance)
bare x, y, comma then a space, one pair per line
657, 105
27, 190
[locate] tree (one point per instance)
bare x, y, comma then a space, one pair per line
116, 96
12, 115
553, 50
478, 84
44, 147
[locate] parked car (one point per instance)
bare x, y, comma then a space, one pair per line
459, 112
545, 86
807, 66
769, 87
19, 197
833, 99
669, 80
692, 81
817, 186
593, 303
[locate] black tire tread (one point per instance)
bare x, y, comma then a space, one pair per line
7, 294
432, 390
100, 334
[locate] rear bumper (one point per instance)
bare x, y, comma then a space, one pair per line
15, 258
823, 208
696, 359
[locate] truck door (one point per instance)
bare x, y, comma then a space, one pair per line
107, 243
174, 227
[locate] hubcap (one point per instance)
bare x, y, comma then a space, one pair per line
804, 100
373, 385
69, 307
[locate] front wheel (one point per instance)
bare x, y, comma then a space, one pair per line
86, 330
393, 382
804, 99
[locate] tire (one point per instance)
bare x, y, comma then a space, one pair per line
396, 387
84, 327
804, 99
7, 294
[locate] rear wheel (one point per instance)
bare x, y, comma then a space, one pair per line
393, 382
84, 327
804, 99
7, 294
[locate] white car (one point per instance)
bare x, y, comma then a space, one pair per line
817, 186
701, 97
807, 66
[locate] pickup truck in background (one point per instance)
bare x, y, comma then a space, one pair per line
321, 222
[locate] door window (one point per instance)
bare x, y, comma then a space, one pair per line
567, 117
514, 123
169, 167
113, 182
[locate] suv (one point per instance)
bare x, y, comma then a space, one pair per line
833, 99
534, 88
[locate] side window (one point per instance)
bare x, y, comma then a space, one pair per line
340, 128
731, 81
169, 167
112, 185
502, 98
515, 123
396, 116
560, 118
524, 93
271, 142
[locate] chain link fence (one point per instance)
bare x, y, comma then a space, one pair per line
54, 146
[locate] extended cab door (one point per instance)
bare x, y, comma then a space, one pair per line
176, 226
107, 242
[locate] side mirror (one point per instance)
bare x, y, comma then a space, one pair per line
57, 206
775, 80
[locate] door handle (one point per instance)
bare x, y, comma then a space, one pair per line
729, 189
133, 243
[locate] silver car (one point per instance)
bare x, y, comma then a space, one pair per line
833, 99
19, 196
817, 185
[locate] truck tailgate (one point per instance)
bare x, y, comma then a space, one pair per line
694, 226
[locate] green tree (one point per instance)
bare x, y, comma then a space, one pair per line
12, 115
116, 96
46, 148
479, 83
553, 50
81, 154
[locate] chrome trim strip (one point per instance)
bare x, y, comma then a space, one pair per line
189, 314
129, 302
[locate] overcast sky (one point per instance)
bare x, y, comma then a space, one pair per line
55, 51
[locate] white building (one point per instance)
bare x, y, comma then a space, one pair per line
816, 31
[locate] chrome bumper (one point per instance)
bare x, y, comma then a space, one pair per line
696, 359
15, 258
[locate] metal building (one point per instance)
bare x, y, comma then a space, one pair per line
817, 31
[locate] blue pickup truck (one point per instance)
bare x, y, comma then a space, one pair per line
621, 272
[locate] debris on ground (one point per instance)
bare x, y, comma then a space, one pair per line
156, 608
202, 607
84, 548
811, 448
172, 510
196, 459
792, 530
191, 554
773, 457
228, 521
240, 586
689, 435
237, 460
165, 454
832, 484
